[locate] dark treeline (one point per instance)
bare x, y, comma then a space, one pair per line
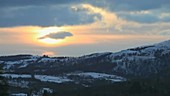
3, 84
135, 87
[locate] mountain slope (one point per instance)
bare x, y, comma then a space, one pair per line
68, 74
140, 61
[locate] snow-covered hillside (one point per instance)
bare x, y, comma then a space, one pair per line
25, 71
144, 60
65, 78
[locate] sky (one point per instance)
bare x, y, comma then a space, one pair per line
80, 27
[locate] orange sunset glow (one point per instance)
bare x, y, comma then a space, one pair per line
89, 26
84, 47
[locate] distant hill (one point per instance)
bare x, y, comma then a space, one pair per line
142, 62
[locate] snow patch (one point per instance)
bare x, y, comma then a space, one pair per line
19, 94
44, 78
16, 76
94, 75
53, 79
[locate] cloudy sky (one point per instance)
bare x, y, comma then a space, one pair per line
79, 27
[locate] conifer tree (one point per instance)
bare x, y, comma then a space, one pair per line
3, 84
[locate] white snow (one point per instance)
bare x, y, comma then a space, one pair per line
23, 63
95, 75
35, 57
94, 55
53, 79
44, 78
148, 52
18, 83
16, 75
47, 89
47, 60
19, 94
1, 62
165, 44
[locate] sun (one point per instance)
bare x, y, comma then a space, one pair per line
46, 30
50, 41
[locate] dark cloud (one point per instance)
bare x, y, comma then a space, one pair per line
120, 5
20, 3
57, 35
115, 4
141, 18
44, 16
42, 13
